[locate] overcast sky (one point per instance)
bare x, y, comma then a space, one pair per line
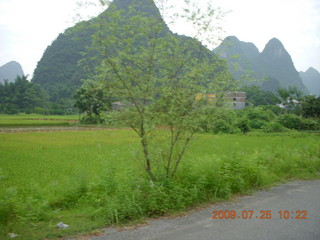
27, 27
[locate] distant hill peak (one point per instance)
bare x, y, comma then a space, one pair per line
11, 64
235, 40
234, 45
275, 49
312, 70
144, 6
275, 41
232, 39
10, 71
311, 79
273, 63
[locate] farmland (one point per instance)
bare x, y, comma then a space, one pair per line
91, 179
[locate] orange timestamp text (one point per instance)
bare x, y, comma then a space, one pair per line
262, 214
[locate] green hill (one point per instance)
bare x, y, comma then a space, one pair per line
59, 71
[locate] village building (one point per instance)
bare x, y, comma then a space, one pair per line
235, 100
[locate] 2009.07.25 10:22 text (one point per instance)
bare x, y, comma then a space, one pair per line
263, 214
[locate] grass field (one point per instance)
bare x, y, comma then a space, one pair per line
32, 120
93, 179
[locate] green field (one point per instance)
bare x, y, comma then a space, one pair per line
36, 120
94, 179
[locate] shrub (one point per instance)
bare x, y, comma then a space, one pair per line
257, 123
290, 121
259, 114
8, 206
311, 106
273, 127
243, 125
310, 124
39, 110
220, 121
221, 126
275, 109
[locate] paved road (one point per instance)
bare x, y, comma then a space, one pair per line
199, 225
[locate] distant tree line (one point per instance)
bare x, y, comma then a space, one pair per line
23, 96
291, 100
267, 111
92, 100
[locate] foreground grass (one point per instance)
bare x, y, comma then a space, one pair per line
93, 179
36, 120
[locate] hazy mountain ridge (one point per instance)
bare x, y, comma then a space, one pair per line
239, 55
311, 79
10, 71
273, 63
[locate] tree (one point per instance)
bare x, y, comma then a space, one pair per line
21, 96
158, 75
92, 99
290, 98
256, 96
310, 107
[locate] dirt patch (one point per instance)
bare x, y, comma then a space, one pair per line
48, 119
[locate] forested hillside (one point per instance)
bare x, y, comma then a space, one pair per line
70, 58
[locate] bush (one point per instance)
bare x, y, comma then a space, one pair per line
257, 117
310, 106
259, 114
220, 121
257, 123
273, 127
9, 108
40, 110
8, 206
275, 109
310, 124
243, 125
221, 126
290, 121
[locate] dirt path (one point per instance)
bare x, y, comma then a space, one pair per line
51, 129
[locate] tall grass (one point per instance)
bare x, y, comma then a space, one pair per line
93, 179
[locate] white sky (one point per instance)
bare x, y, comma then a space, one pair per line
27, 27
